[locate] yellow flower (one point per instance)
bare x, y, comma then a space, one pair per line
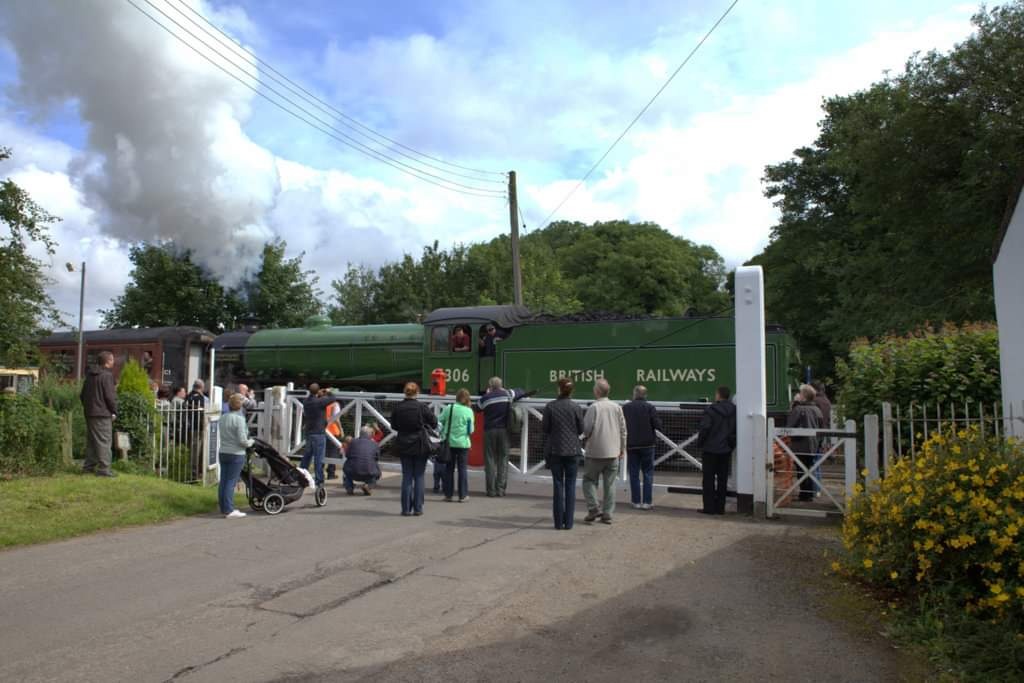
835, 566
996, 588
894, 575
868, 563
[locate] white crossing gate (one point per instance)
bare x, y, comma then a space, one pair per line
829, 474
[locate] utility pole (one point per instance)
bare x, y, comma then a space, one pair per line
513, 215
81, 321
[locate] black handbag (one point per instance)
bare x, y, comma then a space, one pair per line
444, 452
431, 440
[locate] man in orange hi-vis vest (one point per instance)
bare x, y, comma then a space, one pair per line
334, 428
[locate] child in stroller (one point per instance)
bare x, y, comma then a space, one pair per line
284, 485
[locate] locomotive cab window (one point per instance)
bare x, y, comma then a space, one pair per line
439, 339
462, 340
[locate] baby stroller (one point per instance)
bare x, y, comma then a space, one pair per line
284, 485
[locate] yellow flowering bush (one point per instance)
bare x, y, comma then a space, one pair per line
948, 521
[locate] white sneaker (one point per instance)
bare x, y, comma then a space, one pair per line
234, 514
646, 506
637, 506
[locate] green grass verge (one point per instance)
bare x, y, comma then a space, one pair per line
40, 509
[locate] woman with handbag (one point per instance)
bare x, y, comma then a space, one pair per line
411, 420
563, 427
456, 425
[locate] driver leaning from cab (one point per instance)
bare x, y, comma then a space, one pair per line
460, 340
488, 340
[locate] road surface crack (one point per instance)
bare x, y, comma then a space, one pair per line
188, 670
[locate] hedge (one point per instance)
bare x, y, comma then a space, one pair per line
30, 437
947, 365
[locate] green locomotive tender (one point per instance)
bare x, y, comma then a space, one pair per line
678, 359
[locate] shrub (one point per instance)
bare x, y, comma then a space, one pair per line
946, 365
29, 437
136, 410
947, 523
63, 396
133, 379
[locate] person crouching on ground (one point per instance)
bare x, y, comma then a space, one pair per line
604, 428
234, 439
460, 416
717, 439
361, 462
408, 419
563, 426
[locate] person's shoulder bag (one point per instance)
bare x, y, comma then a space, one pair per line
430, 437
444, 450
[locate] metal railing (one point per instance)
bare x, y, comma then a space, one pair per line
677, 459
180, 438
906, 427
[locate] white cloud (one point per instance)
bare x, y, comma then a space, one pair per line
700, 178
172, 150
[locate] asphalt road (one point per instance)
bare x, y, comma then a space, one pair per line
480, 591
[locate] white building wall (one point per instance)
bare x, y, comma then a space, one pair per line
1008, 279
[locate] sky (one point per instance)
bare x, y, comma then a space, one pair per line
123, 127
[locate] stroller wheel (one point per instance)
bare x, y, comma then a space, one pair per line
273, 504
320, 496
256, 504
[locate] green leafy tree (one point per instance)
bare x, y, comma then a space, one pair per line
888, 219
282, 294
567, 267
168, 289
24, 302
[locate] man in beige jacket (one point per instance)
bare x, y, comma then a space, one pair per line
604, 428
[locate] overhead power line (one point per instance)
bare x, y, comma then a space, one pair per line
642, 111
361, 129
317, 123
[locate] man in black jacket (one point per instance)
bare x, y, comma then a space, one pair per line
717, 439
642, 422
99, 403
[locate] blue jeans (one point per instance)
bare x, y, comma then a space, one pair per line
458, 463
230, 470
412, 483
316, 446
350, 483
641, 461
563, 479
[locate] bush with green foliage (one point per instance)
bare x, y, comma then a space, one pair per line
136, 410
63, 396
29, 437
943, 531
947, 365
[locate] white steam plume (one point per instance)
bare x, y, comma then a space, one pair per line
166, 157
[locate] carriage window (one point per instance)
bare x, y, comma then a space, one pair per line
439, 339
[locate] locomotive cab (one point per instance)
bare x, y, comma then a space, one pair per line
466, 342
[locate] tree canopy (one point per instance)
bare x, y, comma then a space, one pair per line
568, 267
23, 299
168, 288
889, 217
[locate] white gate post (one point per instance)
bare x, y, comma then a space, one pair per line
871, 447
850, 457
769, 466
751, 409
887, 448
